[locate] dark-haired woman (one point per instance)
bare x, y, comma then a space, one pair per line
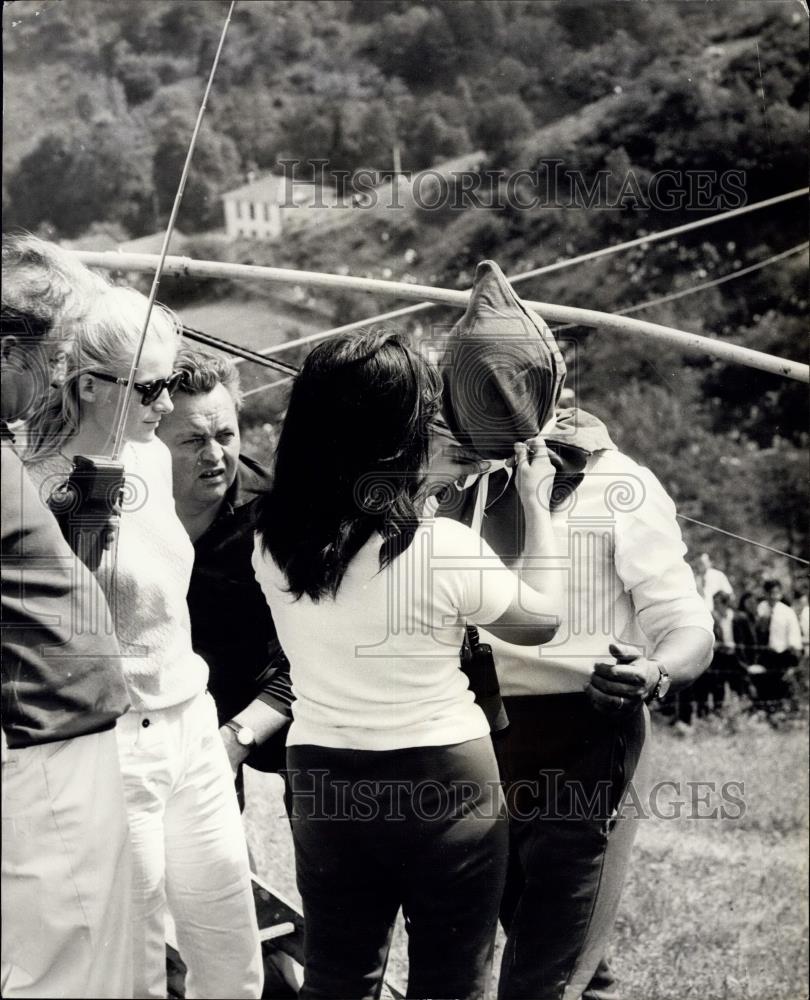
396, 799
749, 643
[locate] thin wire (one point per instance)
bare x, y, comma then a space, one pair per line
742, 538
241, 353
675, 231
348, 327
683, 292
799, 248
136, 360
269, 385
545, 269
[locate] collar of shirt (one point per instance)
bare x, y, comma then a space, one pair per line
250, 481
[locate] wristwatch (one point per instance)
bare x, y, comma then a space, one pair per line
245, 736
659, 692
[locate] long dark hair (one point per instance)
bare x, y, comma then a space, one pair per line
349, 460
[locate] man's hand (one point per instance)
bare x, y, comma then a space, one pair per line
237, 754
623, 686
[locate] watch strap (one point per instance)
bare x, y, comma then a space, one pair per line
237, 729
657, 694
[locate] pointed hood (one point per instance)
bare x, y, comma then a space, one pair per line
502, 369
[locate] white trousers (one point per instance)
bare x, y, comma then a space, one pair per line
190, 852
66, 868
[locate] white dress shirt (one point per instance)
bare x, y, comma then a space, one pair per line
715, 581
783, 631
624, 575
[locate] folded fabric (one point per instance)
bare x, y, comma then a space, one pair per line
503, 374
502, 369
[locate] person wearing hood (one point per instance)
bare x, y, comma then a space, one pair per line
633, 628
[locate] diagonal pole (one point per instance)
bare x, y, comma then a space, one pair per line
118, 439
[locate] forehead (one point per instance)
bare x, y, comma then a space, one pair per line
157, 358
207, 411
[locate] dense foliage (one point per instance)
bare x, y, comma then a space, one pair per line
100, 100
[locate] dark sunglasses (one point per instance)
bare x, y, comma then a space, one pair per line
149, 391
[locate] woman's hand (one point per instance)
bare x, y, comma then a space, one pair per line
534, 474
539, 565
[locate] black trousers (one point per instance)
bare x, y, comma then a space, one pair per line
772, 687
420, 828
566, 768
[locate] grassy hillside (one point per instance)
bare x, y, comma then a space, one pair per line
714, 909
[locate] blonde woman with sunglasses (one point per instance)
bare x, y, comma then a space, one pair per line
187, 836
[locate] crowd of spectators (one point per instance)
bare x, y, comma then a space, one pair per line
761, 642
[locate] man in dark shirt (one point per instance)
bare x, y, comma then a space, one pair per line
231, 626
66, 865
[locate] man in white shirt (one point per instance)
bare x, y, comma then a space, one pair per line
634, 624
784, 634
784, 643
629, 592
711, 581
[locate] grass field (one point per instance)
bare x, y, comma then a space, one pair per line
714, 908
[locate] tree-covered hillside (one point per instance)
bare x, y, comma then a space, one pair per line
100, 92
682, 109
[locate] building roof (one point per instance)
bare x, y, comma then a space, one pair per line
276, 188
272, 188
459, 164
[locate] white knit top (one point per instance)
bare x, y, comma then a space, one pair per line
147, 582
378, 666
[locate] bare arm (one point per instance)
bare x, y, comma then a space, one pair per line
262, 719
534, 616
684, 653
649, 559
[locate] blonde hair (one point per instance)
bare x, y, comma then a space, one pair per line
104, 337
45, 281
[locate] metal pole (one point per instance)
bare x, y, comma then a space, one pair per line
690, 342
118, 439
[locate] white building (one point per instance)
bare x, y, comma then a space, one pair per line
265, 208
262, 209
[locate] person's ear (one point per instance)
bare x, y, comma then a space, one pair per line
87, 388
